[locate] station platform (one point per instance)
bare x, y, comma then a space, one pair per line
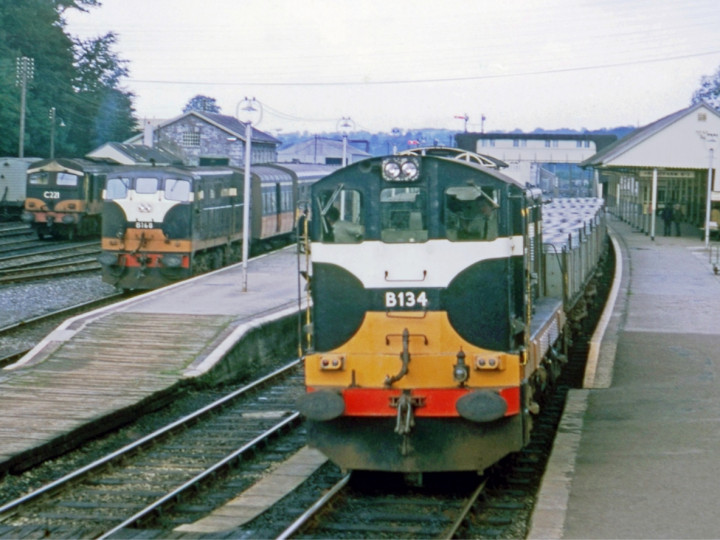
96, 369
638, 449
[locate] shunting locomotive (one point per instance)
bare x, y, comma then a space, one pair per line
438, 314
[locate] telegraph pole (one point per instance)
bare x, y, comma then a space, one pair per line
25, 72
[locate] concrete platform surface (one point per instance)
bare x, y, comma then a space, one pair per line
638, 452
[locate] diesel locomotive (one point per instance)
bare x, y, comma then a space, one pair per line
163, 224
63, 197
440, 311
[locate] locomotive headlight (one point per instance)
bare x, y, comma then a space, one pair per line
410, 170
401, 169
391, 170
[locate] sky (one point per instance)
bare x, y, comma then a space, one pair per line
519, 64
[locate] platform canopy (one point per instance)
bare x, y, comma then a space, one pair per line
670, 161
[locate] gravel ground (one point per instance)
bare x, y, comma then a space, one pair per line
27, 300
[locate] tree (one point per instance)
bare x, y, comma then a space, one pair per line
106, 109
79, 79
202, 104
709, 90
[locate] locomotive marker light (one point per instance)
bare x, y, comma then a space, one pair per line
247, 111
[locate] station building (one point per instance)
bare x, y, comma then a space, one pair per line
670, 161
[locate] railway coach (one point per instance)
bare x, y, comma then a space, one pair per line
439, 314
13, 180
163, 224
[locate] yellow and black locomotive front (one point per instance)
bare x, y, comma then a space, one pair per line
415, 357
147, 227
63, 197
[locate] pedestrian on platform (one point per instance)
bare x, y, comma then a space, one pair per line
667, 217
677, 217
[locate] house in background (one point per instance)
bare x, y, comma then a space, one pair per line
320, 150
134, 154
204, 138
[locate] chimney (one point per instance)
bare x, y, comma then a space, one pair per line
148, 134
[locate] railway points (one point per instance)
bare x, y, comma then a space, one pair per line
637, 450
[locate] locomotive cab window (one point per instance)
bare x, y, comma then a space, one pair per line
39, 179
146, 185
342, 216
177, 190
66, 179
471, 214
403, 215
117, 188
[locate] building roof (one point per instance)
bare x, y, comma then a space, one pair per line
635, 138
229, 124
133, 154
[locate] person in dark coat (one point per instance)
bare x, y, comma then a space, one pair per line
667, 217
677, 216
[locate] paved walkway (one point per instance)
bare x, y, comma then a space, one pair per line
638, 453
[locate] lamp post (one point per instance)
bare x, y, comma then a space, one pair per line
710, 142
247, 111
53, 119
25, 69
345, 125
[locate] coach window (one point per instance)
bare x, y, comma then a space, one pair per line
117, 188
403, 215
146, 185
471, 214
177, 190
342, 216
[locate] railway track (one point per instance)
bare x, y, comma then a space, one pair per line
49, 261
139, 484
386, 511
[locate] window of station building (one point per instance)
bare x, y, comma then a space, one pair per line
191, 139
403, 215
342, 216
471, 214
117, 188
177, 190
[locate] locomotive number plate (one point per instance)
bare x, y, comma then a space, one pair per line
143, 224
406, 299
